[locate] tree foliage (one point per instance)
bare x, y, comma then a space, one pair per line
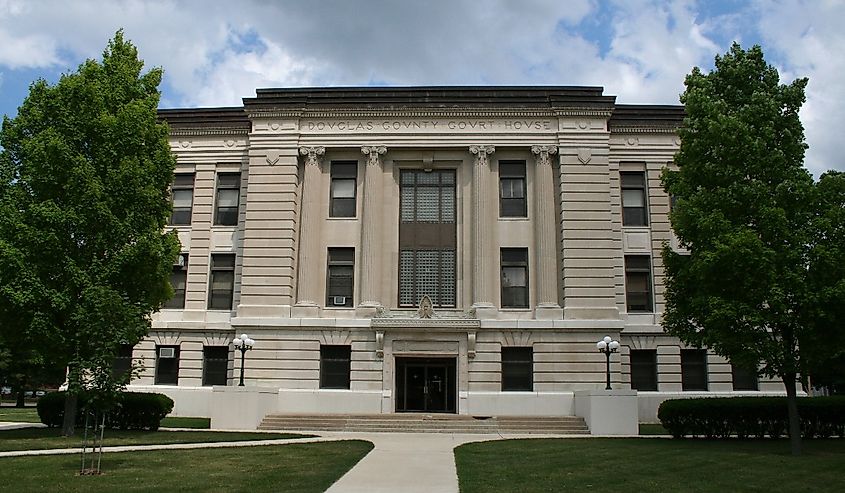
762, 281
85, 171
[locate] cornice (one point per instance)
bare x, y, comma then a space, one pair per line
208, 131
643, 130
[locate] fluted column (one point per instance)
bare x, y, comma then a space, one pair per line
310, 249
371, 217
483, 245
545, 242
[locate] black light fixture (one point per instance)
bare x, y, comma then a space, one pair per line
607, 346
243, 344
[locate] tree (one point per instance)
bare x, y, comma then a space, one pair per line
761, 283
84, 177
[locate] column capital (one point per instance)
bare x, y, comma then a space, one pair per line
543, 152
373, 153
481, 152
312, 154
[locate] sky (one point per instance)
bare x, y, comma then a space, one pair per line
216, 52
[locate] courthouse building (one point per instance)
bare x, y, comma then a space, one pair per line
424, 249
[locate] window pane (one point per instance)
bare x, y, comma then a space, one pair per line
406, 278
215, 365
744, 378
227, 198
694, 369
343, 188
513, 277
183, 198
167, 368
335, 366
447, 212
517, 369
428, 205
644, 369
633, 198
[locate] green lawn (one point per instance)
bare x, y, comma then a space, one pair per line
47, 438
302, 467
19, 414
649, 465
653, 429
183, 422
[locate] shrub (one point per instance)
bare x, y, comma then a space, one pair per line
130, 410
751, 417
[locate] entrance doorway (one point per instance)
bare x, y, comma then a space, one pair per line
425, 385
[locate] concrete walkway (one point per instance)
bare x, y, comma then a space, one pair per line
399, 462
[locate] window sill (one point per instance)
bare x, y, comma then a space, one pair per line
636, 228
332, 218
514, 218
516, 309
224, 227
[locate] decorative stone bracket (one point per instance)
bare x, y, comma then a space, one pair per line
470, 344
380, 343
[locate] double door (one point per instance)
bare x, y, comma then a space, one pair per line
425, 385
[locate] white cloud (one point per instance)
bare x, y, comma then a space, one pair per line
214, 53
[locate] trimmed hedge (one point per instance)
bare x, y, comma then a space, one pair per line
721, 417
130, 411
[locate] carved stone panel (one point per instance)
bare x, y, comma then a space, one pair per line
404, 346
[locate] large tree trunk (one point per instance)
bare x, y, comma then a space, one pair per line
794, 418
21, 397
68, 426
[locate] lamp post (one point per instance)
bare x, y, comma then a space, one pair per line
243, 344
607, 346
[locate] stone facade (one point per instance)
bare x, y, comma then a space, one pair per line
575, 144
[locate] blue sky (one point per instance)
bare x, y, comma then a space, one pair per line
216, 52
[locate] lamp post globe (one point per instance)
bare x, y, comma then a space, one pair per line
243, 344
607, 346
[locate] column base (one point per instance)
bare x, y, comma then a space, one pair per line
485, 310
305, 310
548, 311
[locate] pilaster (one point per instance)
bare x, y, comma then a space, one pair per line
310, 249
544, 235
371, 256
484, 248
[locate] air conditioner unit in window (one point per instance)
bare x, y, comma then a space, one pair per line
339, 300
166, 352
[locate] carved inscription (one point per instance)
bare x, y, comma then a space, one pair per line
524, 124
425, 347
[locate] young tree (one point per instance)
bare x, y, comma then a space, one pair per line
755, 285
84, 177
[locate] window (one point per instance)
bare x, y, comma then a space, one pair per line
744, 378
344, 176
340, 277
634, 210
215, 365
694, 369
514, 277
427, 237
644, 369
179, 281
167, 365
335, 366
222, 281
182, 196
228, 196
638, 283
122, 363
517, 369
512, 189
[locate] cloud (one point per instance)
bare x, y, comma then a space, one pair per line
215, 53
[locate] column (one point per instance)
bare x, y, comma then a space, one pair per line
483, 244
545, 242
371, 216
310, 250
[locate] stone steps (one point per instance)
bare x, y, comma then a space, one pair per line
425, 423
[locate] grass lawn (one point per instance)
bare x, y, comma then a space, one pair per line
19, 414
649, 465
302, 467
653, 429
183, 422
45, 438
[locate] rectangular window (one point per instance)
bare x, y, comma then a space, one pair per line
179, 281
744, 378
228, 198
634, 203
167, 365
638, 283
335, 366
512, 201
122, 361
222, 281
514, 277
343, 189
341, 272
182, 196
427, 237
644, 369
694, 369
215, 365
518, 369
